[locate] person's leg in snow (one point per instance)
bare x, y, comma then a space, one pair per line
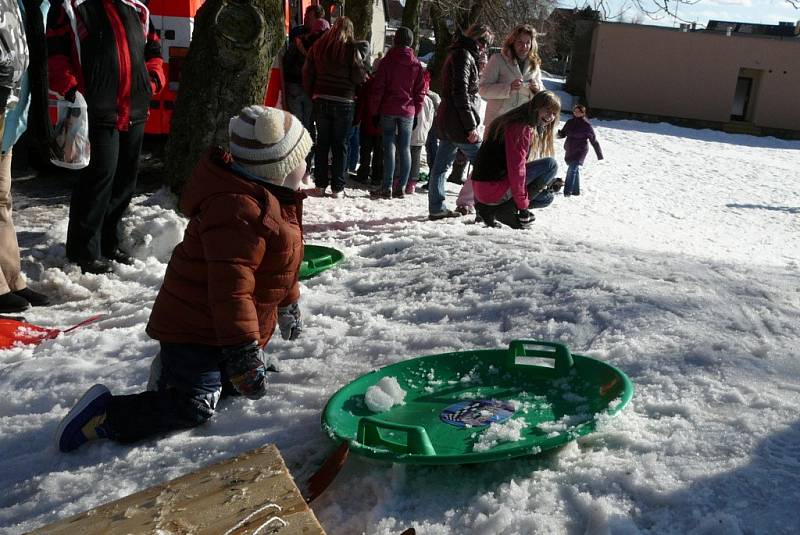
572, 183
188, 384
538, 177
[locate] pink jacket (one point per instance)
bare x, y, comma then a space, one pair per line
518, 142
399, 87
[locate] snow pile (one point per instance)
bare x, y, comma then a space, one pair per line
384, 395
496, 433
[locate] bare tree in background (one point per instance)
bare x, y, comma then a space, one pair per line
360, 12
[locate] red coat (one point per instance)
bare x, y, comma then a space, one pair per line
238, 262
399, 88
362, 114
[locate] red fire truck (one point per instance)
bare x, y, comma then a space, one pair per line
174, 22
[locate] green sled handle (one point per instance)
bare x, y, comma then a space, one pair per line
527, 348
313, 263
417, 441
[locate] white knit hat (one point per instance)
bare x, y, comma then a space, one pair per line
268, 142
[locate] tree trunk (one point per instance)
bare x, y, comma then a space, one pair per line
411, 13
360, 12
227, 68
443, 38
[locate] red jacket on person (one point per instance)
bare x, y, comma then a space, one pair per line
399, 87
115, 61
362, 115
492, 178
238, 262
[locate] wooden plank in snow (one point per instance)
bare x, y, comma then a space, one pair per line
235, 497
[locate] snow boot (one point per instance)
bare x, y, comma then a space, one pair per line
86, 420
11, 303
34, 298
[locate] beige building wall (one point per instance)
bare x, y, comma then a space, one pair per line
693, 75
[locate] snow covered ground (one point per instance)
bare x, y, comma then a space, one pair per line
678, 264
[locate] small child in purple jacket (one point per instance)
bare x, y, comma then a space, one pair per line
578, 131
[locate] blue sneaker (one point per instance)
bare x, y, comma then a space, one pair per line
85, 421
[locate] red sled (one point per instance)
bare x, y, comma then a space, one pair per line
14, 332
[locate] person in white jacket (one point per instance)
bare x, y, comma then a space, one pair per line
419, 136
512, 77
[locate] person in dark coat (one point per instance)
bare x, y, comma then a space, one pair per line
333, 70
458, 116
370, 167
579, 134
229, 282
115, 62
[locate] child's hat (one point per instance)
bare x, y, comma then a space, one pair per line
268, 142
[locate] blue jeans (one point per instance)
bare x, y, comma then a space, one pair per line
333, 120
188, 383
445, 155
431, 146
396, 137
353, 147
572, 185
539, 174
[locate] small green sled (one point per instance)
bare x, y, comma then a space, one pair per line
317, 259
478, 406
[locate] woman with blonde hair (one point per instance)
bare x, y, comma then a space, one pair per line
333, 70
512, 77
506, 185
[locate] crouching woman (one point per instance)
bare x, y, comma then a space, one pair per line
231, 279
507, 186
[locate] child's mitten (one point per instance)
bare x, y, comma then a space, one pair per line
246, 370
290, 321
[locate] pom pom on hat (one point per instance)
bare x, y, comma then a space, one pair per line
268, 142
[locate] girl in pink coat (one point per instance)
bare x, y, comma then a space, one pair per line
506, 185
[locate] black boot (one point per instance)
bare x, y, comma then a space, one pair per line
10, 303
97, 266
34, 298
118, 255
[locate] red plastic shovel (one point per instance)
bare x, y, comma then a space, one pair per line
14, 332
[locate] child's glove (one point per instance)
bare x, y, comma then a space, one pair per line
245, 369
290, 321
525, 218
556, 185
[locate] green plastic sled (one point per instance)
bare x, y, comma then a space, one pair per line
478, 406
317, 259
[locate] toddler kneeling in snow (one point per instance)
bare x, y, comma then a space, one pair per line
231, 279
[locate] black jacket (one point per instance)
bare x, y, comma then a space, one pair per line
458, 112
117, 92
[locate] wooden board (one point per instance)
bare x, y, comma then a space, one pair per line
233, 497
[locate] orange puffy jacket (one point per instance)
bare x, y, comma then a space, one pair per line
238, 262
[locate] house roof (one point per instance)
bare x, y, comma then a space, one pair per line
784, 29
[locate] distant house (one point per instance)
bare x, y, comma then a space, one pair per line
782, 29
736, 82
